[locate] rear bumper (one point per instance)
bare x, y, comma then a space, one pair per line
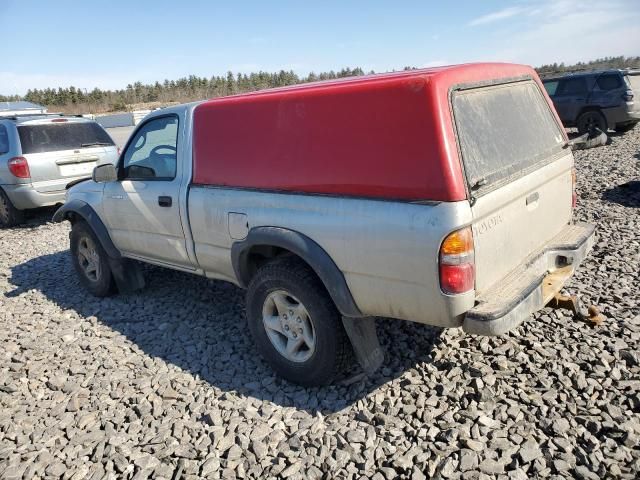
526, 290
634, 116
620, 115
24, 196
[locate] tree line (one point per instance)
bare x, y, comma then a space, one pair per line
597, 64
77, 100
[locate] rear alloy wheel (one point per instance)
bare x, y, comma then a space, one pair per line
289, 326
90, 261
9, 214
295, 325
591, 122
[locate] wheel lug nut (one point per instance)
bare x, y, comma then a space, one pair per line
286, 327
295, 335
299, 320
284, 316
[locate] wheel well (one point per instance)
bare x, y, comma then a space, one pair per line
72, 217
258, 255
266, 243
589, 109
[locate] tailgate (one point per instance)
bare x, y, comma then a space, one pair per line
53, 170
519, 175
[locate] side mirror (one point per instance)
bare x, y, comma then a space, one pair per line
104, 173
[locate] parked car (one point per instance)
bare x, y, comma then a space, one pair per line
41, 154
601, 99
442, 196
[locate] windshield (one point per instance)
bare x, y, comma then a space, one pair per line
51, 137
503, 130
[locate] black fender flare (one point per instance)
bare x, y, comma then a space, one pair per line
89, 215
308, 250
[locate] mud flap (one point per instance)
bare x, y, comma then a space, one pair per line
127, 274
364, 339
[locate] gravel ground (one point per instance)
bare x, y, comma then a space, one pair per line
165, 383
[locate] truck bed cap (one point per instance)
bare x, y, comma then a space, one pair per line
383, 136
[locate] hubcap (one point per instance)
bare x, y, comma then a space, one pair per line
289, 326
89, 259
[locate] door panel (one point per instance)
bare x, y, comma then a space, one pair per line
142, 208
140, 226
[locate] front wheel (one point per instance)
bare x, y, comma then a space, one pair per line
9, 214
91, 261
591, 122
295, 324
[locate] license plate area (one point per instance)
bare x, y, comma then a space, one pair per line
76, 169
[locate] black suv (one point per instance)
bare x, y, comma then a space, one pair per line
599, 99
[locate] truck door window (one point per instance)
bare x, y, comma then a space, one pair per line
152, 153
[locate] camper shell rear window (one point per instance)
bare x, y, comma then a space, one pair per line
504, 131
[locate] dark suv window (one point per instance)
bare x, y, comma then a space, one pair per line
51, 137
572, 86
4, 140
609, 81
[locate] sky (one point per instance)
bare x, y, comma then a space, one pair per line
112, 43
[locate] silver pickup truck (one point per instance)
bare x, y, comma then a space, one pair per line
440, 196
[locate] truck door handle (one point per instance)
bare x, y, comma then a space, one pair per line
164, 201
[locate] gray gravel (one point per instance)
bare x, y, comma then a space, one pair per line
165, 384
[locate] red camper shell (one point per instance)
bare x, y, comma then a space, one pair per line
385, 136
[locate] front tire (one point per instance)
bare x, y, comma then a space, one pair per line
590, 121
10, 216
91, 261
295, 325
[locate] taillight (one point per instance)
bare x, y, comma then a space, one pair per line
19, 167
574, 195
627, 96
457, 268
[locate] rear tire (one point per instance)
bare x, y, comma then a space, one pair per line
625, 127
295, 325
91, 261
589, 121
10, 216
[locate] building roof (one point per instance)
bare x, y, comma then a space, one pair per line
19, 105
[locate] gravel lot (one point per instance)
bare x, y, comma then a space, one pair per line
165, 383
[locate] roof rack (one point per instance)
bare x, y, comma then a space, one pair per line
583, 70
16, 116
